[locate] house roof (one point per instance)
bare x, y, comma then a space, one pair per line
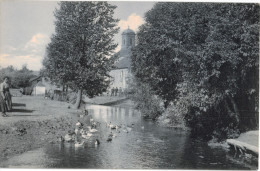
35, 78
36, 73
128, 31
40, 84
123, 62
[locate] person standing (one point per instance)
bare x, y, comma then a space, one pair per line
120, 92
112, 91
5, 97
116, 90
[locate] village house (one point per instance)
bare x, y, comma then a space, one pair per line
42, 85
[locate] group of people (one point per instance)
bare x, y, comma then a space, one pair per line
116, 91
5, 97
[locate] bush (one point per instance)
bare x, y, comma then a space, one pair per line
217, 123
27, 91
150, 105
172, 117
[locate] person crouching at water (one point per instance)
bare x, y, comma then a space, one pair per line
5, 97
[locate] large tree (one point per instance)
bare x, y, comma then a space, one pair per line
79, 52
222, 80
203, 58
171, 31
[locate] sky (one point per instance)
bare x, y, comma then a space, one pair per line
26, 28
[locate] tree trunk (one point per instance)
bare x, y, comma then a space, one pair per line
166, 104
79, 96
235, 107
227, 107
256, 106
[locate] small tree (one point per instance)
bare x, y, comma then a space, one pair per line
79, 50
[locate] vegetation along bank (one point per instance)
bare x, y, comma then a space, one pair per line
196, 65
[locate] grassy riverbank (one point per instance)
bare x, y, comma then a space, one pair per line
34, 122
25, 135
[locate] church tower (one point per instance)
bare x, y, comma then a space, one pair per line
121, 74
128, 41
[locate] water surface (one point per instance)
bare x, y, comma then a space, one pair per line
146, 146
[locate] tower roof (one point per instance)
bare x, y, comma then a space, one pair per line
123, 62
128, 31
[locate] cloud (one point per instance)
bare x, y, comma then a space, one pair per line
33, 62
118, 48
4, 56
37, 44
31, 53
10, 48
133, 21
39, 38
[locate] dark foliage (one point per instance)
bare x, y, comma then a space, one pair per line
202, 58
18, 78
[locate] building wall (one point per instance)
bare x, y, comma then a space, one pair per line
38, 91
49, 86
46, 86
128, 41
119, 78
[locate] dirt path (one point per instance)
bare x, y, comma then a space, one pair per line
34, 108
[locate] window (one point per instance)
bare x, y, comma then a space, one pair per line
121, 76
130, 41
124, 41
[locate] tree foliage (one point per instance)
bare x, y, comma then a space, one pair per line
203, 59
78, 53
19, 78
149, 104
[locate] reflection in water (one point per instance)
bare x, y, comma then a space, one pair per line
127, 112
146, 146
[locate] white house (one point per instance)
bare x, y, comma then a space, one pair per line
39, 89
41, 85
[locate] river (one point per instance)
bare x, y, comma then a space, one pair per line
146, 146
